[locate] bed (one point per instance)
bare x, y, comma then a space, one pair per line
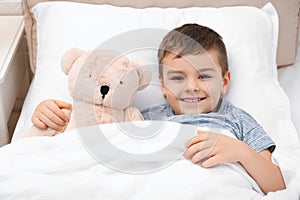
261, 38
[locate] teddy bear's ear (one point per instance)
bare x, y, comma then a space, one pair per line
69, 58
144, 72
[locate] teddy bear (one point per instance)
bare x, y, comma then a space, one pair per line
103, 84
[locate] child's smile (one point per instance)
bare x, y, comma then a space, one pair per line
192, 99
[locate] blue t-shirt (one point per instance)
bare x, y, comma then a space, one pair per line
227, 116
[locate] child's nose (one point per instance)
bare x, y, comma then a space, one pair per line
194, 85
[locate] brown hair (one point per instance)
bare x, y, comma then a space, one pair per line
192, 39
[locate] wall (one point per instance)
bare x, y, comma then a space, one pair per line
10, 7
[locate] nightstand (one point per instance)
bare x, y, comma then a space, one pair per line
13, 68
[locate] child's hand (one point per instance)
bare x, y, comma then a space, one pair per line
49, 113
215, 148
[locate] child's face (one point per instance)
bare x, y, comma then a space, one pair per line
193, 83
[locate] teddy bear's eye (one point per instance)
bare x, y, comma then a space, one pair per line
90, 75
121, 82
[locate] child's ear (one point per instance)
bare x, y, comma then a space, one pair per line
226, 82
162, 85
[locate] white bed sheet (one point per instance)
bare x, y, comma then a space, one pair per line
61, 168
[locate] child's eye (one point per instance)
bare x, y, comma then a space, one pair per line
204, 76
177, 78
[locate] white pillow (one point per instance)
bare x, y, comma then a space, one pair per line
250, 35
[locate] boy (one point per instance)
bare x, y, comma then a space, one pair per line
194, 76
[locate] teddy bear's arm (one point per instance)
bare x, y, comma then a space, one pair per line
133, 114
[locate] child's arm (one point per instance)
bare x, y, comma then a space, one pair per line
49, 114
218, 148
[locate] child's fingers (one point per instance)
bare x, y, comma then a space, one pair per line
38, 123
49, 123
54, 116
57, 115
212, 161
62, 104
195, 148
201, 155
196, 139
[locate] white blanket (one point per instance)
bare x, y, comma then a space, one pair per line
67, 167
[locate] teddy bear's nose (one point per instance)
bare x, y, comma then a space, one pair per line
104, 90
